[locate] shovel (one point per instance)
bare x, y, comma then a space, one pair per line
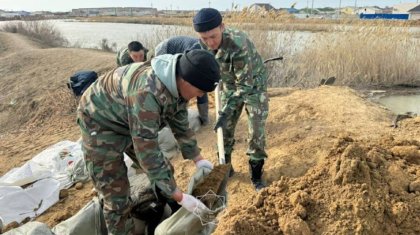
220, 143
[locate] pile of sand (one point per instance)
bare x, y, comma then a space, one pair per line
358, 188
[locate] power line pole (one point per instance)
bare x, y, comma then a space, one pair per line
307, 7
339, 9
355, 6
312, 8
209, 3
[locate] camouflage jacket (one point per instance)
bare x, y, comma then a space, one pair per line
138, 101
241, 66
123, 56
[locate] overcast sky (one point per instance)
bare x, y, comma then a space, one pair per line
67, 5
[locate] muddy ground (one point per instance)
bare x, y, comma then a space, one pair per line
335, 164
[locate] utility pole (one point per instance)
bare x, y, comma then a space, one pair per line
355, 6
307, 7
209, 3
312, 8
339, 9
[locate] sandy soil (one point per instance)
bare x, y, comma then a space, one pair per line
335, 165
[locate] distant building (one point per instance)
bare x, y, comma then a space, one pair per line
292, 10
347, 11
403, 8
387, 10
13, 14
42, 13
114, 11
368, 10
415, 13
258, 7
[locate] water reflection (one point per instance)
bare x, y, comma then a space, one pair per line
402, 103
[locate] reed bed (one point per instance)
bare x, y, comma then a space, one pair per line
43, 31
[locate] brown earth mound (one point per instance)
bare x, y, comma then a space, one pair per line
335, 165
358, 188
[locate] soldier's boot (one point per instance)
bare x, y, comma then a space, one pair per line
203, 111
256, 171
228, 158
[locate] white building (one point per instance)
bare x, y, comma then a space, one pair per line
368, 10
414, 13
260, 7
403, 8
114, 11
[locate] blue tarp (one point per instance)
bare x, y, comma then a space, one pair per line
384, 16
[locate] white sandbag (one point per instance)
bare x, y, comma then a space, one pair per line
77, 171
167, 142
31, 228
88, 221
52, 162
16, 204
184, 222
194, 119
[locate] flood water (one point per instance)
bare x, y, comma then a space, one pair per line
90, 34
401, 104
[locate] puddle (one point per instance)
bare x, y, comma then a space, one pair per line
401, 104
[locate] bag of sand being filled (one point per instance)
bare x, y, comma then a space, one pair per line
208, 186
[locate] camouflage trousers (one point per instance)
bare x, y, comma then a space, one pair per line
103, 152
256, 107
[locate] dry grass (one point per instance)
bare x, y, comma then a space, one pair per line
357, 57
273, 20
105, 45
43, 31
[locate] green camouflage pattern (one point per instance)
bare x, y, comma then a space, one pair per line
128, 106
123, 57
244, 84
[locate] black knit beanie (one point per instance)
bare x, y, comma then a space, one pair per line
207, 19
200, 69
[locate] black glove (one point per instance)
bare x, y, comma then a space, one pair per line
221, 121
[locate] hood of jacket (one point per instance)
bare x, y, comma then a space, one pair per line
165, 68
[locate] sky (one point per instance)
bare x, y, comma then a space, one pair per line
67, 5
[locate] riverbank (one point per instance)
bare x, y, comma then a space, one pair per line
271, 21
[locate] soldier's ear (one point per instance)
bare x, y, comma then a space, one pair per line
222, 27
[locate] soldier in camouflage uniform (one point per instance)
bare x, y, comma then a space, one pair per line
244, 84
134, 52
128, 106
180, 44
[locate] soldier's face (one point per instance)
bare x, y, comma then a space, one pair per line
213, 38
137, 56
188, 91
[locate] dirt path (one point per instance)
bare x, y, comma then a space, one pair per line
335, 165
13, 43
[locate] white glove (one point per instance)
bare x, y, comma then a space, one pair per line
191, 203
203, 163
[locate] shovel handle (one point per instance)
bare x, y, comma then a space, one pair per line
220, 143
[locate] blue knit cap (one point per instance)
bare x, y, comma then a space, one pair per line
207, 19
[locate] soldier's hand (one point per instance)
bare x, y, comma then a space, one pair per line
221, 121
192, 204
